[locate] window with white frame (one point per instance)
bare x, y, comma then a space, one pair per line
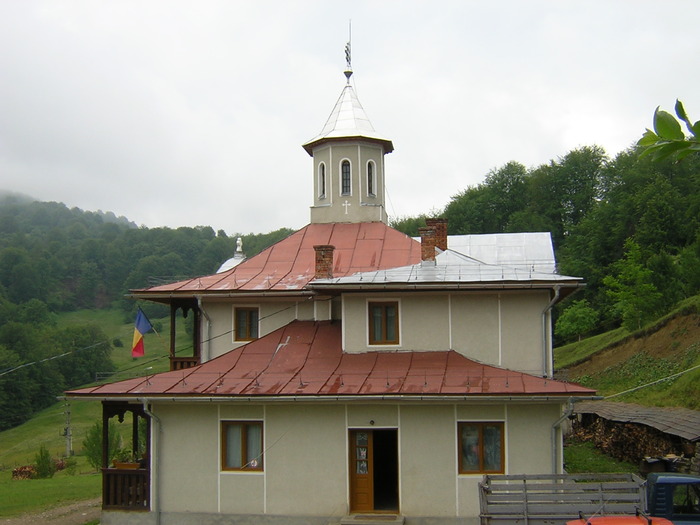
383, 322
241, 445
345, 181
322, 181
371, 181
246, 321
481, 448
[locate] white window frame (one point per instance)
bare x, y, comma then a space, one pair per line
373, 165
398, 319
234, 332
322, 181
259, 467
340, 176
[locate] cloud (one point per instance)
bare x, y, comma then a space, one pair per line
175, 113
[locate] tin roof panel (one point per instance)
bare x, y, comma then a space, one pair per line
306, 358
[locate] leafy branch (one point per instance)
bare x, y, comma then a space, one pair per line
668, 139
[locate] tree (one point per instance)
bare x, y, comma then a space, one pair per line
577, 320
636, 299
92, 444
667, 139
408, 225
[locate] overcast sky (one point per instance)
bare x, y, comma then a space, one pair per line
184, 113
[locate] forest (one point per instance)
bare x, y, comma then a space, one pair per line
54, 259
628, 225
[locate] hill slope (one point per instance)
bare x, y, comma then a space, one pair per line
669, 346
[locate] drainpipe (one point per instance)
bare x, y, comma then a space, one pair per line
208, 330
156, 429
547, 341
556, 427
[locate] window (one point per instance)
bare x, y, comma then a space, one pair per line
370, 179
322, 181
384, 323
241, 445
480, 448
246, 320
345, 186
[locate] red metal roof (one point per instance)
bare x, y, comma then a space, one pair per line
290, 263
305, 358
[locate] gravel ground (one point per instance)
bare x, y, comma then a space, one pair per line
77, 513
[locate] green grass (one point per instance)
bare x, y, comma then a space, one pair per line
21, 496
574, 353
642, 368
584, 457
19, 445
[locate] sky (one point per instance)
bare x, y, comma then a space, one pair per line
186, 113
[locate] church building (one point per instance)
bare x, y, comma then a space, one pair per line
348, 373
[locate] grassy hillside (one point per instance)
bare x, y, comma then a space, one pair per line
621, 361
18, 446
112, 322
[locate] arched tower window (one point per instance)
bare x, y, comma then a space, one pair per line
371, 182
345, 184
322, 181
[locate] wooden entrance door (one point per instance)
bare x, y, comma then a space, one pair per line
374, 471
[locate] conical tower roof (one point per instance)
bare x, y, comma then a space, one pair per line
348, 120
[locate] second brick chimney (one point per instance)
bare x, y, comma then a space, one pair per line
427, 243
324, 261
440, 227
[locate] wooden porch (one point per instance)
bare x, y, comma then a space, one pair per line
126, 486
126, 489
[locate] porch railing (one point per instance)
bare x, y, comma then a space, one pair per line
126, 489
180, 363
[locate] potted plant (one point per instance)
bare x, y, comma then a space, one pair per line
124, 458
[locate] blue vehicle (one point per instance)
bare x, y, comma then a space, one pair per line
675, 497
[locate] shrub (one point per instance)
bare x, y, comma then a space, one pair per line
44, 463
93, 443
71, 465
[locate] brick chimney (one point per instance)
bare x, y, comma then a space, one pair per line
324, 261
427, 243
440, 227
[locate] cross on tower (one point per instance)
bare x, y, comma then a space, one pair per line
345, 205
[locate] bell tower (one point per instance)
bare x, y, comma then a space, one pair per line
348, 163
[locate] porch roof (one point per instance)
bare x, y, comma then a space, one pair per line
304, 358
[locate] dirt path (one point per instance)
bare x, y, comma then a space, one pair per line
77, 513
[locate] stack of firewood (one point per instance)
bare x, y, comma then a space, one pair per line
627, 441
24, 472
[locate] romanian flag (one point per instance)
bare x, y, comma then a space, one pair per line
143, 325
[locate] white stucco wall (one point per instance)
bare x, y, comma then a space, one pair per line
362, 206
501, 329
306, 455
218, 331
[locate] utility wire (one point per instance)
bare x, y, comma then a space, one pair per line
5, 372
672, 376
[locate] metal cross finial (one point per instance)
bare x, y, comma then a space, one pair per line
348, 57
